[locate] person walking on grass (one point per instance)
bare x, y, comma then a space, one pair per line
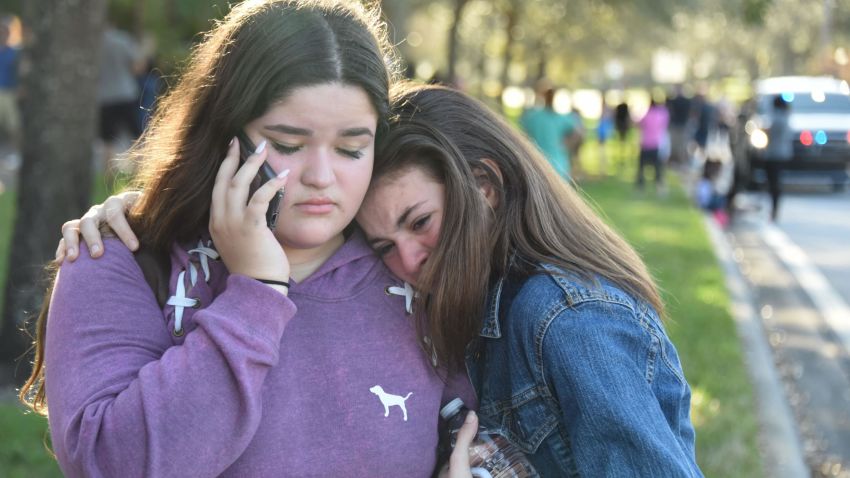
653, 134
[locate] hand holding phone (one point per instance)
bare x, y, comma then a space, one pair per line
265, 174
238, 223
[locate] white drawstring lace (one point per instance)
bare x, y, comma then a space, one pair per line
180, 302
407, 292
179, 299
204, 254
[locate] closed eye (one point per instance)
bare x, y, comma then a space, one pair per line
353, 154
285, 148
383, 249
420, 223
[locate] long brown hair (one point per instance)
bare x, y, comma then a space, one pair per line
255, 56
539, 217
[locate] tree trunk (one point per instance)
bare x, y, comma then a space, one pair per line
59, 111
139, 18
542, 61
172, 15
454, 41
513, 16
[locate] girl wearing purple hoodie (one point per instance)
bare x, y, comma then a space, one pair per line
278, 352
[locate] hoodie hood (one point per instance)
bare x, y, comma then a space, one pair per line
346, 273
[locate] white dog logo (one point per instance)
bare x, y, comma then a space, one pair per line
388, 400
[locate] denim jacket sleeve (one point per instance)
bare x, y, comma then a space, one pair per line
623, 397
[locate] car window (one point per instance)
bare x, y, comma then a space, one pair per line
831, 103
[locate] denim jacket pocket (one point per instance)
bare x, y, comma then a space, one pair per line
526, 420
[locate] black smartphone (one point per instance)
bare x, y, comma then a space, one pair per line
266, 173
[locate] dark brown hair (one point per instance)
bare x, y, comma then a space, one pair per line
254, 57
539, 217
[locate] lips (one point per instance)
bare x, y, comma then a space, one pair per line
320, 205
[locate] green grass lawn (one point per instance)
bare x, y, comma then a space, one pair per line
7, 219
670, 236
23, 452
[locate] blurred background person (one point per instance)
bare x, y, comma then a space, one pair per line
121, 61
575, 140
779, 150
622, 124
653, 131
550, 130
703, 118
150, 83
10, 119
739, 141
679, 107
713, 189
710, 193
604, 131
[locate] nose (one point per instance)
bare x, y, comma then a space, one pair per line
413, 255
318, 169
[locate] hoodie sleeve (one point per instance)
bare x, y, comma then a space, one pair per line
124, 401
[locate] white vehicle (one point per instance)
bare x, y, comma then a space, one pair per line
819, 118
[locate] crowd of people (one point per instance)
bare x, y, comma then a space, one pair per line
704, 140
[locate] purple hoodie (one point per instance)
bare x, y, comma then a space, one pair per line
255, 385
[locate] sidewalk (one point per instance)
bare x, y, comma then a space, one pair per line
799, 366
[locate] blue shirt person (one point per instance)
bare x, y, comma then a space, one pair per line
549, 130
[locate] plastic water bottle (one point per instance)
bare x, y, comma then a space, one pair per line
490, 455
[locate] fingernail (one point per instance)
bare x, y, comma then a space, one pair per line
95, 249
283, 174
470, 416
232, 140
133, 244
261, 147
71, 252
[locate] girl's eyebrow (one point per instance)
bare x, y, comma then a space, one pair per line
356, 132
402, 219
286, 129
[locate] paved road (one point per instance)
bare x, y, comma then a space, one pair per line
819, 223
799, 274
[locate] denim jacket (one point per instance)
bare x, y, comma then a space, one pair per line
583, 378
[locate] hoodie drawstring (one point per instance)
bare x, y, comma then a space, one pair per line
179, 299
407, 292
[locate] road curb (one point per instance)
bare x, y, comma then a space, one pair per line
781, 448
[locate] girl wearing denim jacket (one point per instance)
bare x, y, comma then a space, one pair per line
552, 314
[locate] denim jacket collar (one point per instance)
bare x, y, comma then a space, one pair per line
490, 327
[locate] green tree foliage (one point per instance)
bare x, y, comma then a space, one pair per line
503, 42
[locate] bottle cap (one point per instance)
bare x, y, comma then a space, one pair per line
451, 408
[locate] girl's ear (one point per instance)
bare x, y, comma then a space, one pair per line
483, 173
